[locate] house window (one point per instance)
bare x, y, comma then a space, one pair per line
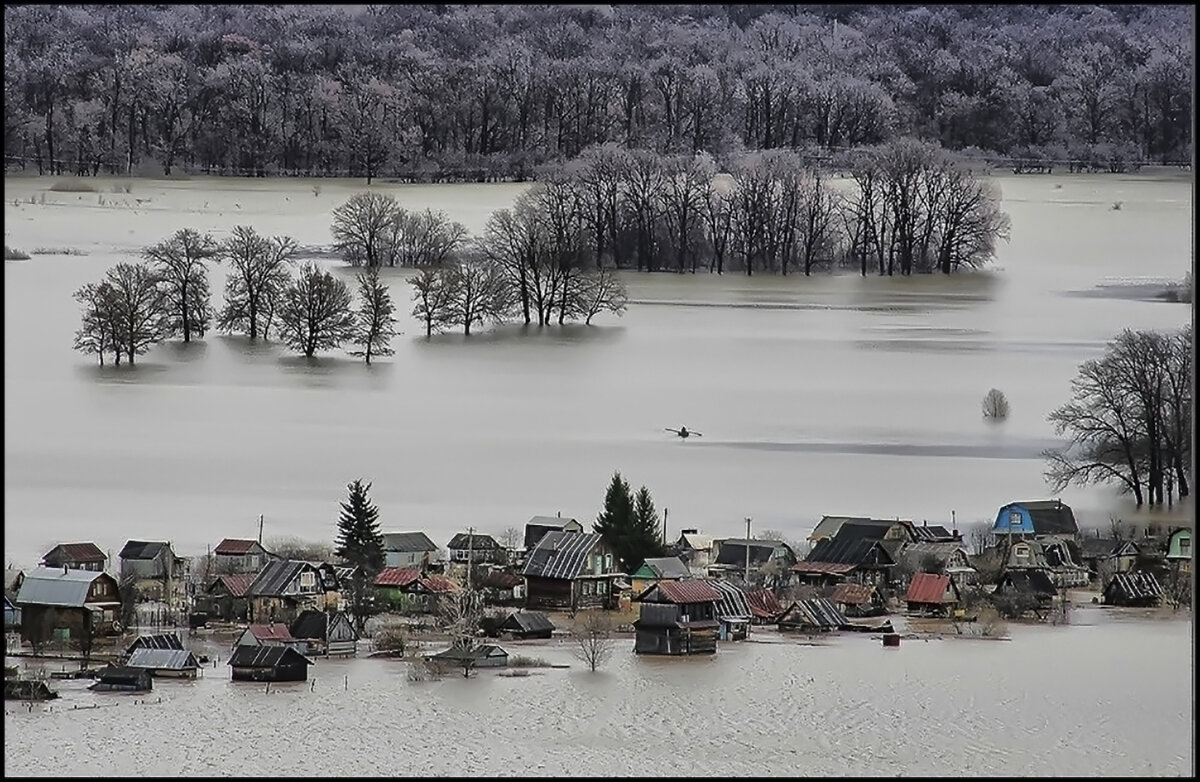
308, 581
1185, 547
608, 563
1014, 519
1021, 551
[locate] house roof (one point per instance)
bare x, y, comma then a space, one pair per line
817, 612
141, 549
826, 568
527, 622
277, 574
763, 603
830, 526
1050, 517
927, 588
1104, 547
78, 552
265, 656
309, 624
667, 567
538, 526
408, 542
436, 583
498, 579
164, 659
235, 547
932, 533
160, 641
733, 603
1133, 586
476, 542
686, 590
560, 554
478, 653
1035, 581
915, 553
397, 576
118, 674
732, 551
851, 593
57, 587
276, 631
235, 584
697, 542
850, 549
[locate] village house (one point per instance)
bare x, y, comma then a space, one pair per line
1050, 555
812, 614
733, 611
500, 587
153, 569
407, 590
268, 664
409, 549
856, 552
236, 555
931, 533
857, 600
1104, 557
1140, 590
521, 625
476, 548
68, 605
769, 560
224, 598
271, 634
76, 556
677, 617
765, 607
571, 570
656, 569
169, 641
325, 633
1025, 591
172, 663
1038, 519
933, 594
695, 550
1179, 551
481, 656
286, 587
538, 526
949, 557
120, 678
888, 529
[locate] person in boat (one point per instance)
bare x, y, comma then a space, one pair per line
684, 433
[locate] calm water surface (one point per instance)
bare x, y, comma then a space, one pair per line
829, 395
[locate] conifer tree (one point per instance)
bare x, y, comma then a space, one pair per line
360, 544
646, 535
630, 527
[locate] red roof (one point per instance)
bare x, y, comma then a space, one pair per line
852, 594
80, 552
927, 588
832, 568
763, 603
235, 546
272, 632
397, 576
687, 590
500, 580
440, 584
238, 584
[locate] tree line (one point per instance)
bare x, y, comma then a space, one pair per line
425, 91
1129, 420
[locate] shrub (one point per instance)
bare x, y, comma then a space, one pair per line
521, 661
393, 637
72, 186
995, 405
424, 669
58, 251
13, 254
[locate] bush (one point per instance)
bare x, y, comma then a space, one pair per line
72, 186
393, 637
995, 405
521, 661
58, 251
13, 254
424, 669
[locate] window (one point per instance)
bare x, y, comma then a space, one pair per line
1021, 551
1014, 519
1185, 546
308, 581
608, 563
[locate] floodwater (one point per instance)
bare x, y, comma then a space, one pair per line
828, 395
1099, 697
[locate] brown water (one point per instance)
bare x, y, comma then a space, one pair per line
829, 395
1103, 697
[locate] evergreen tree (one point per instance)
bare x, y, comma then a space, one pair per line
360, 543
630, 527
646, 535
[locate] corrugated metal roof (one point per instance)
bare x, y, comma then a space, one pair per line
850, 549
273, 579
831, 568
763, 603
476, 542
687, 590
160, 641
732, 604
732, 551
498, 579
272, 632
397, 576
928, 588
527, 622
814, 612
435, 583
165, 659
264, 656
79, 552
408, 542
142, 549
235, 584
538, 526
57, 587
1133, 586
235, 547
667, 567
851, 593
560, 554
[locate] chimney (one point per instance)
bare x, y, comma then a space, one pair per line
558, 514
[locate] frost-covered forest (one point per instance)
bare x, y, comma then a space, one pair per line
429, 92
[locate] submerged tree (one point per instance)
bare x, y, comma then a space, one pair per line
98, 332
315, 312
482, 294
260, 273
375, 320
180, 261
435, 291
138, 308
995, 405
360, 544
365, 229
592, 636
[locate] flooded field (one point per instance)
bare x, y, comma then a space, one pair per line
1102, 697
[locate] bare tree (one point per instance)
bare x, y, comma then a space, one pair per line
98, 332
138, 306
294, 548
995, 405
180, 261
599, 291
315, 313
592, 633
365, 228
426, 238
375, 321
482, 294
259, 276
461, 613
435, 291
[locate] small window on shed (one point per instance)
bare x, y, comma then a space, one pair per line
1021, 551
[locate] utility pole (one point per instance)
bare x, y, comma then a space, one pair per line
665, 512
260, 526
470, 554
747, 551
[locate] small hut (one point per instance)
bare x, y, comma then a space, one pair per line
28, 690
483, 656
812, 614
1133, 590
176, 663
268, 664
325, 632
122, 678
527, 624
932, 593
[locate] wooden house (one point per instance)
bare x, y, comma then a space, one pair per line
75, 556
764, 606
237, 555
273, 634
730, 558
1107, 555
156, 573
268, 664
406, 589
409, 549
27, 690
538, 526
932, 593
174, 663
1030, 590
694, 550
476, 548
68, 605
500, 587
224, 598
885, 529
1133, 589
1179, 550
570, 570
857, 600
119, 678
813, 614
522, 625
325, 633
656, 569
286, 587
733, 611
677, 618
1035, 519
481, 656
949, 557
856, 552
1052, 556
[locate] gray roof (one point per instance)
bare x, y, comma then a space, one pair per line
477, 542
161, 641
277, 574
816, 612
733, 603
527, 622
408, 542
55, 587
141, 549
668, 567
165, 659
560, 554
732, 551
538, 526
264, 656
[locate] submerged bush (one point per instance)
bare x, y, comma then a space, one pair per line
995, 405
13, 254
72, 186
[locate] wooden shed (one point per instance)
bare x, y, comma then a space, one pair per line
268, 664
119, 678
325, 632
527, 624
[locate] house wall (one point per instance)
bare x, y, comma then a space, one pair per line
547, 592
407, 558
59, 559
158, 567
251, 562
1180, 545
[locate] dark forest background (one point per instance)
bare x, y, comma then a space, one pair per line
435, 92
